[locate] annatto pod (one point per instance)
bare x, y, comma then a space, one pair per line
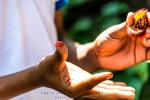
140, 23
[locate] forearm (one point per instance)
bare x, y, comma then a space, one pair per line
18, 83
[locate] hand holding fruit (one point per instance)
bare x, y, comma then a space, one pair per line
124, 45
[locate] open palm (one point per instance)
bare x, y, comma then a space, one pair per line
73, 81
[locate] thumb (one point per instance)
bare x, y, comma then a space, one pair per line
130, 19
60, 54
61, 50
122, 33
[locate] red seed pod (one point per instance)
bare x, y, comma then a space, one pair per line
140, 23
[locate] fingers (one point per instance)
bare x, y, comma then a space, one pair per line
147, 34
112, 92
59, 57
117, 33
114, 87
62, 50
109, 82
147, 42
87, 84
147, 37
120, 83
55, 63
130, 18
109, 90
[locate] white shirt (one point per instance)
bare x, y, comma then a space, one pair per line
27, 34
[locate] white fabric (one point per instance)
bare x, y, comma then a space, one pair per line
27, 33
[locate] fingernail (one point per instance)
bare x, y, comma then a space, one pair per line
59, 44
132, 96
109, 74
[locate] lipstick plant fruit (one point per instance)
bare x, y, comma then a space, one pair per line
140, 23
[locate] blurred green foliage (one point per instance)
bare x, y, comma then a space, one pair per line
86, 19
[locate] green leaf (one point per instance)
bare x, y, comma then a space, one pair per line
83, 24
114, 8
142, 71
108, 23
137, 84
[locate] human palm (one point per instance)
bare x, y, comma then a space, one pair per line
73, 81
116, 50
65, 77
82, 82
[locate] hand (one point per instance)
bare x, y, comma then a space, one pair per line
65, 77
72, 81
116, 50
109, 90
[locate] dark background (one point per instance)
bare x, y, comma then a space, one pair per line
86, 19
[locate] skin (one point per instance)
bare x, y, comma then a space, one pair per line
80, 54
121, 47
55, 72
52, 72
113, 43
109, 45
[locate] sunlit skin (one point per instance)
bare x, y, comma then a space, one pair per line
55, 72
117, 50
113, 49
74, 81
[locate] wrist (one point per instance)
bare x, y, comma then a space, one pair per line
45, 73
39, 75
87, 57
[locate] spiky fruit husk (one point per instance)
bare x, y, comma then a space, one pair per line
140, 23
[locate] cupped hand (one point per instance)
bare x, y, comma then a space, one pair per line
116, 50
72, 81
65, 77
109, 90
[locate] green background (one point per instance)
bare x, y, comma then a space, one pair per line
85, 19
